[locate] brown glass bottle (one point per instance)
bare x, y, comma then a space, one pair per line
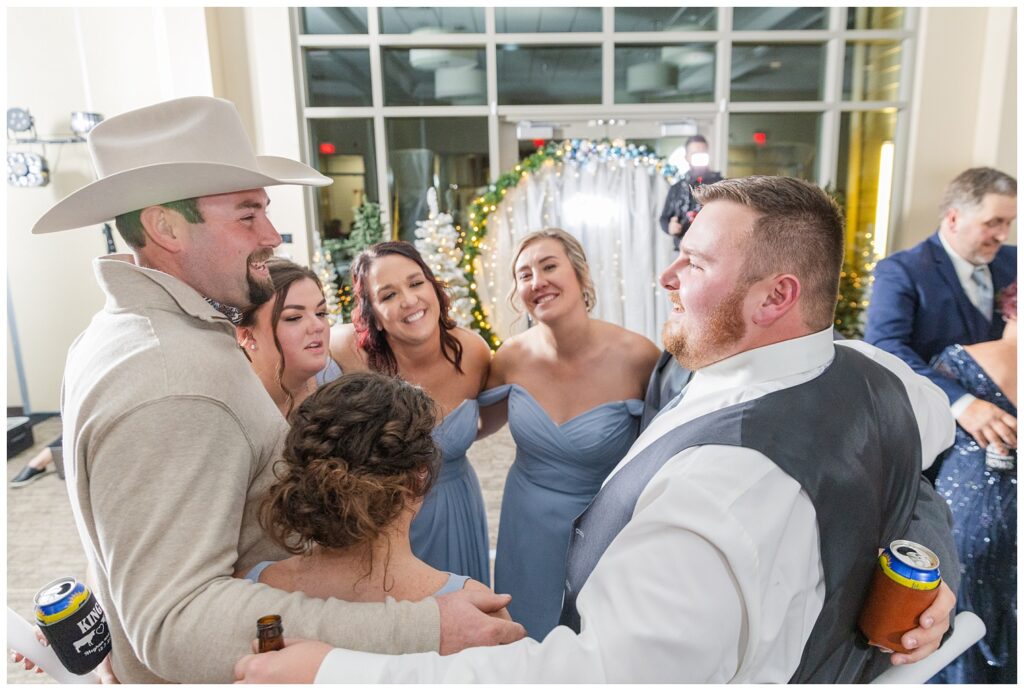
269, 633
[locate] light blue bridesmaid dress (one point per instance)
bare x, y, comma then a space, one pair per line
557, 471
450, 531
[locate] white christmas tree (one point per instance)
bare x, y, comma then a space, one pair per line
438, 242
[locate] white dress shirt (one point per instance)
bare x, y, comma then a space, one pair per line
964, 270
716, 578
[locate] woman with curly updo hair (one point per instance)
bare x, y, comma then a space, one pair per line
401, 327
358, 460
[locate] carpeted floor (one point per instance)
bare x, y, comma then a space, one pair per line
42, 542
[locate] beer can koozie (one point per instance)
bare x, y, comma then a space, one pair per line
905, 583
74, 624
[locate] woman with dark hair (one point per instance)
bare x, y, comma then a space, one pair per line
358, 460
286, 337
980, 486
401, 327
571, 389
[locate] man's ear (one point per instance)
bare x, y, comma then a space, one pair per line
782, 295
163, 227
952, 215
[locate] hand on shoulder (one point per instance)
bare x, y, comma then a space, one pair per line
344, 348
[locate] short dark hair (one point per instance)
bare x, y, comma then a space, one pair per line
369, 335
968, 189
799, 231
695, 139
129, 225
359, 450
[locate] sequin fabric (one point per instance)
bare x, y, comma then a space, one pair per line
984, 507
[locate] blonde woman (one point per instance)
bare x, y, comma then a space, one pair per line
571, 389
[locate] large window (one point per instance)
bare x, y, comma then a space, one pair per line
451, 97
683, 72
774, 144
448, 154
534, 75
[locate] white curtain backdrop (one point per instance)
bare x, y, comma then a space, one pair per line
612, 207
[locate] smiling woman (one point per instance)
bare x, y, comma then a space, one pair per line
401, 327
286, 337
571, 390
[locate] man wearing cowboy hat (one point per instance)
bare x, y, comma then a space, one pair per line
169, 436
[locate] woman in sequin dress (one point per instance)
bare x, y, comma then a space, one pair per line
984, 505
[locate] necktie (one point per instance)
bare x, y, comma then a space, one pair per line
983, 290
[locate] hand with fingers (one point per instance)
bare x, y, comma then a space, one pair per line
989, 424
933, 623
474, 618
17, 657
296, 663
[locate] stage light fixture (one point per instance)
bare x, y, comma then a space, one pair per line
27, 169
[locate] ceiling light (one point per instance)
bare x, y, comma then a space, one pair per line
687, 56
18, 120
458, 82
83, 122
650, 77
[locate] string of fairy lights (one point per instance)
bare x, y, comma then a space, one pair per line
456, 254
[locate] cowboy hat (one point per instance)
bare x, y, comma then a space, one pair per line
188, 147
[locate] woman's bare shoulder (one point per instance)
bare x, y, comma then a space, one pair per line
636, 349
473, 344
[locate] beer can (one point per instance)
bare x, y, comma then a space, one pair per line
905, 583
73, 623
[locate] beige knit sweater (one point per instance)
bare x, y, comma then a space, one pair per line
169, 442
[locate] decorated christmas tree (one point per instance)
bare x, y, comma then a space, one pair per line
366, 230
323, 266
437, 239
854, 278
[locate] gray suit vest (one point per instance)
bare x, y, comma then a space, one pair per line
850, 438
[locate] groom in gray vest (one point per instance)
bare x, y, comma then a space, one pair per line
736, 540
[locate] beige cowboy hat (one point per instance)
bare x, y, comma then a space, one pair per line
188, 147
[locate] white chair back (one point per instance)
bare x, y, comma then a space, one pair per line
967, 630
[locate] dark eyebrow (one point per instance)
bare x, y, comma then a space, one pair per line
302, 307
415, 274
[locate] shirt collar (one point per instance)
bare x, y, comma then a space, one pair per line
126, 284
963, 268
767, 363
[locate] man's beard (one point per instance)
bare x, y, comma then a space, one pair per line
724, 327
260, 290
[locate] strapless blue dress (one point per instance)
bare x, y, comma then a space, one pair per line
557, 471
450, 531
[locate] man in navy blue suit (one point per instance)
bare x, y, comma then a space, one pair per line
941, 292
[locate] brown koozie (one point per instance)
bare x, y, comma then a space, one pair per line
892, 610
